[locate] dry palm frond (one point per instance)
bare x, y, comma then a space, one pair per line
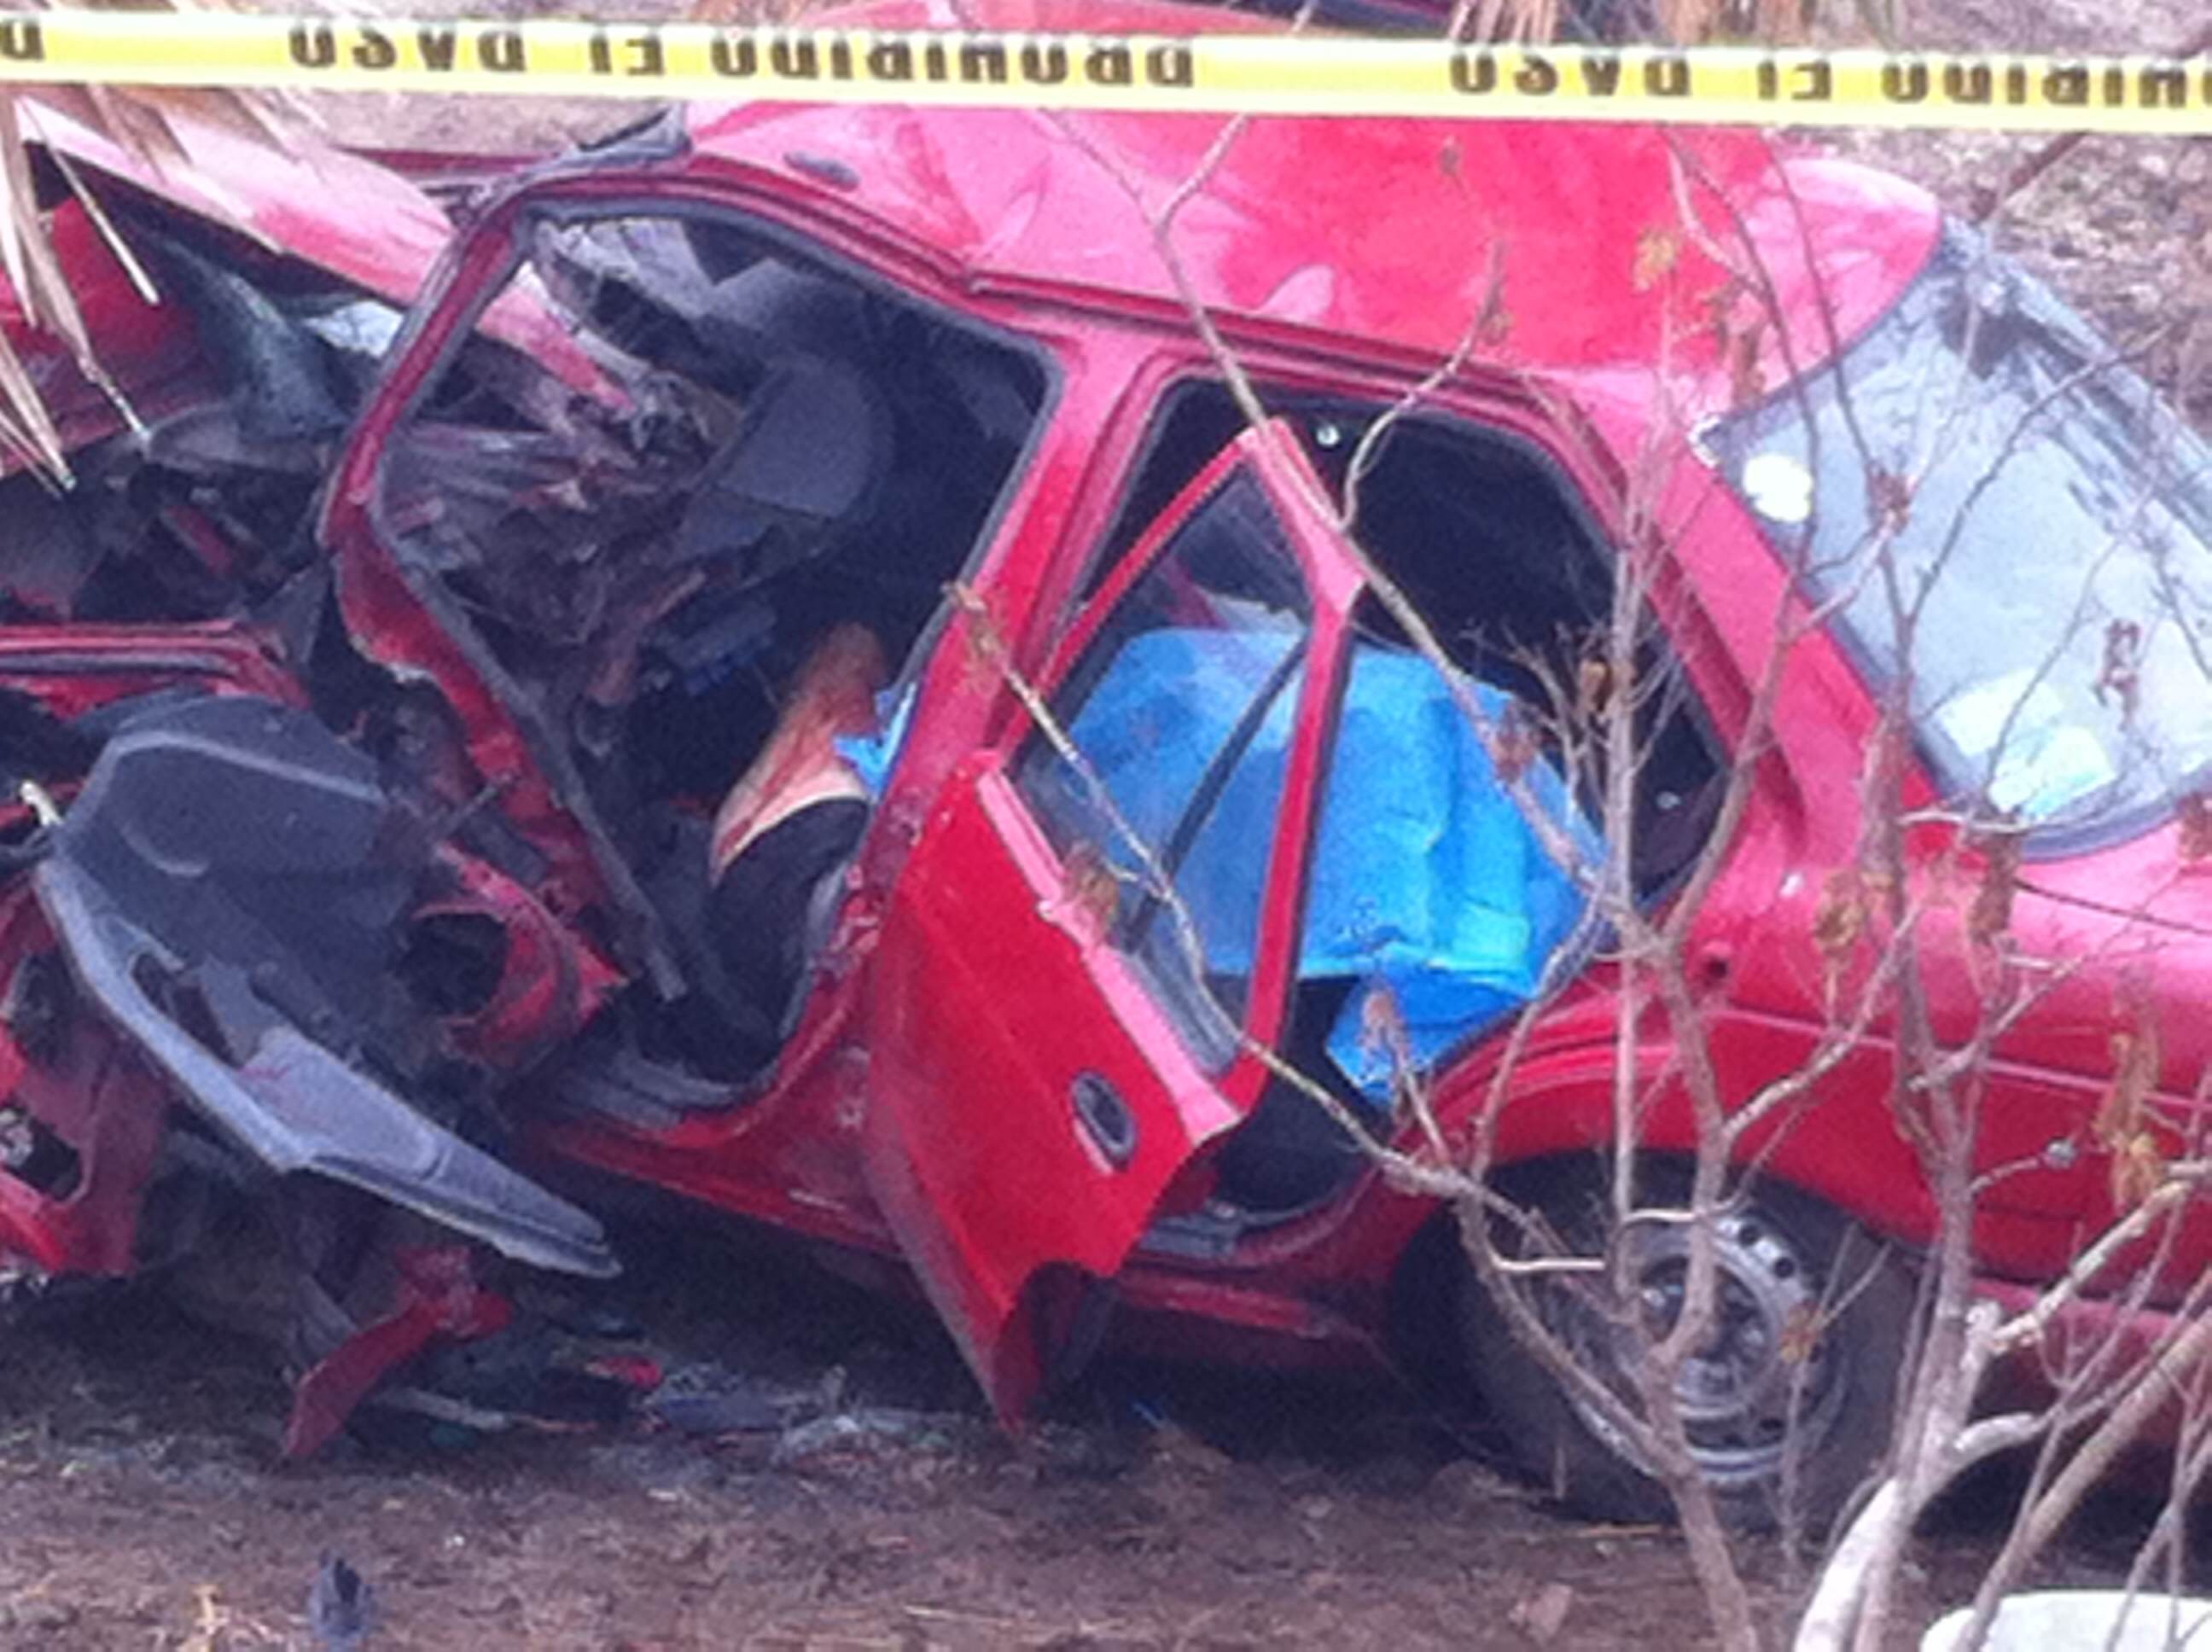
25, 428
138, 121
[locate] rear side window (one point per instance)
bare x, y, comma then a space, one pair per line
1490, 542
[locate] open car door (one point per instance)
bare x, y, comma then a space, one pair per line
1059, 1025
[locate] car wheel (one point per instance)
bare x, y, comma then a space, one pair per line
1789, 1397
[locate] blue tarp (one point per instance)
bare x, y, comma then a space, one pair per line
872, 755
1427, 882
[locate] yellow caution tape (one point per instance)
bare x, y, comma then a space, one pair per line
1261, 73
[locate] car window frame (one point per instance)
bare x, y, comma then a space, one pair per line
1206, 1032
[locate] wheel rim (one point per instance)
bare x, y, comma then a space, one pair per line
1763, 1375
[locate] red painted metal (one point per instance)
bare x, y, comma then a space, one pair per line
995, 977
436, 1296
551, 983
73, 671
369, 225
1384, 235
152, 350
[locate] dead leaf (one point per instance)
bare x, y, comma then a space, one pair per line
1658, 249
2119, 1124
2122, 672
1092, 886
1801, 1334
1991, 915
1592, 681
1747, 381
210, 1622
987, 655
1840, 918
1515, 745
2195, 813
1382, 1026
1889, 499
2138, 1168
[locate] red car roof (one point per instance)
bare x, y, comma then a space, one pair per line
1382, 230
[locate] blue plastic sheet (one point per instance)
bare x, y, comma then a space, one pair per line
1428, 882
873, 754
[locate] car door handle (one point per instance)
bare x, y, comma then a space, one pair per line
1104, 1114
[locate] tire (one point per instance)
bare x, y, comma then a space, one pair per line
1785, 1259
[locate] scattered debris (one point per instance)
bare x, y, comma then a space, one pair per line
341, 1606
734, 1411
858, 1433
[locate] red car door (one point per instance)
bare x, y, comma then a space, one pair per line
1057, 1024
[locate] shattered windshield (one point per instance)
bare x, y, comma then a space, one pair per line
2053, 531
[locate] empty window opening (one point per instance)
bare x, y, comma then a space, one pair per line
737, 508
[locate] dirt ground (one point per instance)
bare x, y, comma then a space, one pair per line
870, 1503
142, 1505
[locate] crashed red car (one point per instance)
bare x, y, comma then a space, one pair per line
630, 771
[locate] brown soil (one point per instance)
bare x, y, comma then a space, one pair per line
142, 1504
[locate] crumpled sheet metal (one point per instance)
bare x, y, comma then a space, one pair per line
340, 211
